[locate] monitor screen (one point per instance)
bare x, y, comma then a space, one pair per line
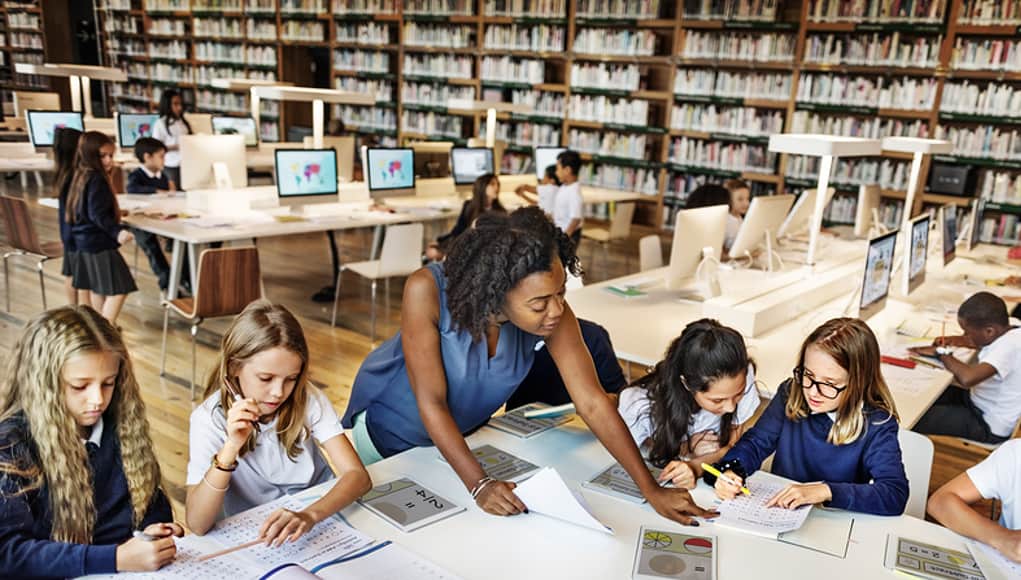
43, 124
919, 247
878, 268
237, 126
544, 157
302, 172
976, 223
390, 168
467, 164
131, 127
949, 221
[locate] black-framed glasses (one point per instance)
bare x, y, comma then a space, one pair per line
807, 381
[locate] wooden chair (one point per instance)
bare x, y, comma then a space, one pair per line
620, 229
21, 236
229, 279
650, 253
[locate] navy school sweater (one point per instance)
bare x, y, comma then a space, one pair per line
96, 223
140, 182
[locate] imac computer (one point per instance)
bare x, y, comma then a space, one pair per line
345, 148
131, 127
764, 217
199, 155
244, 126
878, 270
544, 157
306, 176
391, 171
868, 203
948, 221
918, 249
432, 158
468, 164
43, 124
799, 220
694, 230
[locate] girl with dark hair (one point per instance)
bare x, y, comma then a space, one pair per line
65, 147
168, 129
485, 197
469, 331
692, 407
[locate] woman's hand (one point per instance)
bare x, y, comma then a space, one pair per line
498, 498
241, 420
677, 505
141, 555
726, 490
680, 473
164, 530
285, 525
798, 494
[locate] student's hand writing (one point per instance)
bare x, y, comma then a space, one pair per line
1008, 543
164, 530
953, 341
680, 473
240, 420
498, 499
725, 489
124, 236
798, 494
140, 555
923, 350
285, 525
677, 505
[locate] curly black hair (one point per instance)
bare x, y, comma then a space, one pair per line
489, 260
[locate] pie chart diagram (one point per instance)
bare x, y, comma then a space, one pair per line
657, 540
698, 545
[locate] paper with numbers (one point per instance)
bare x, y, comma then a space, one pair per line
994, 565
750, 514
408, 505
615, 481
515, 423
921, 560
501, 465
668, 554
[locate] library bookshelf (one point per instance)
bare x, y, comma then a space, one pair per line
22, 39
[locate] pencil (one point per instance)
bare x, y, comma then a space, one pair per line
229, 550
717, 473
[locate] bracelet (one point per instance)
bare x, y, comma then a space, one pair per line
213, 486
215, 462
475, 491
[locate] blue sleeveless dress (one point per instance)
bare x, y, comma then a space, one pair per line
477, 385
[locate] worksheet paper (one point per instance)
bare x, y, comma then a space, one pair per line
750, 514
920, 560
913, 382
994, 565
546, 493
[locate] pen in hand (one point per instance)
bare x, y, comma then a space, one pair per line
726, 478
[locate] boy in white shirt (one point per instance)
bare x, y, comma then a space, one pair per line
987, 405
568, 206
998, 477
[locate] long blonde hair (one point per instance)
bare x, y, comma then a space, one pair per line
851, 343
55, 457
261, 326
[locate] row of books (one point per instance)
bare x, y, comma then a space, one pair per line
122, 24
615, 41
530, 8
302, 31
617, 177
747, 121
167, 27
367, 117
704, 82
435, 94
602, 109
888, 173
843, 210
768, 47
219, 27
256, 55
994, 99
381, 89
438, 65
721, 155
747, 10
854, 126
129, 47
988, 142
233, 102
25, 20
635, 9
998, 54
906, 93
361, 60
509, 69
438, 35
990, 12
543, 103
1002, 229
260, 30
1001, 187
302, 6
539, 38
344, 7
25, 40
439, 7
175, 49
626, 77
874, 49
365, 33
526, 134
432, 124
609, 143
877, 10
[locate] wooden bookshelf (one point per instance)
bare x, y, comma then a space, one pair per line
22, 39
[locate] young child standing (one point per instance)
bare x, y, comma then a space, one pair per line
65, 147
255, 437
694, 404
148, 179
96, 228
169, 129
834, 423
986, 404
77, 468
568, 206
546, 191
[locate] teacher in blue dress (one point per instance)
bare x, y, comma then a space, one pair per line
469, 331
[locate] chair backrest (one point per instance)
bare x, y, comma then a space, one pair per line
620, 224
18, 225
917, 451
650, 253
402, 250
228, 280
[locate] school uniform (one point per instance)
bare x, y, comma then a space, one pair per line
99, 266
143, 181
70, 255
169, 132
999, 477
568, 206
26, 550
547, 193
266, 472
865, 476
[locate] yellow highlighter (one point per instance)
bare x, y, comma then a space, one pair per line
719, 475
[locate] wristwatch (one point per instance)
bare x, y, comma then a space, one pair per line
944, 350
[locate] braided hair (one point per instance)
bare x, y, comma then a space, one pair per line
491, 259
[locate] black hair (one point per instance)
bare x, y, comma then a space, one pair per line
477, 205
166, 111
708, 195
984, 309
551, 173
148, 146
571, 160
704, 352
489, 260
65, 147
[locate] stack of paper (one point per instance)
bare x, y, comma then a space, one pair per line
546, 493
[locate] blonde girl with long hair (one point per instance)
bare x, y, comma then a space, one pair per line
834, 423
257, 435
77, 470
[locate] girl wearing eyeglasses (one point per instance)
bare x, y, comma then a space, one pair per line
833, 424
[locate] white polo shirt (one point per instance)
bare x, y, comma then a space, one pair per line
999, 396
547, 196
170, 137
568, 205
999, 477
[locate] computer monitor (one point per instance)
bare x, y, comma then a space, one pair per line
918, 248
345, 148
432, 158
201, 123
25, 101
878, 269
390, 171
544, 157
799, 220
469, 163
975, 223
200, 152
765, 215
42, 125
694, 229
306, 176
868, 200
948, 221
237, 126
131, 127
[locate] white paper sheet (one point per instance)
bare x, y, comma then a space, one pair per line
750, 514
994, 565
910, 381
546, 493
391, 562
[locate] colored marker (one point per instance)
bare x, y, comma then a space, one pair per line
726, 478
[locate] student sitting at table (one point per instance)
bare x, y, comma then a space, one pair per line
998, 477
485, 197
469, 331
77, 469
149, 178
986, 404
694, 404
834, 423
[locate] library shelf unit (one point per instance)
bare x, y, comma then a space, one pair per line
658, 96
22, 39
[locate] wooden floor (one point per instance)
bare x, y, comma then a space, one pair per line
293, 269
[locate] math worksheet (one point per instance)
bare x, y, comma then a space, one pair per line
750, 514
515, 423
615, 481
921, 560
408, 505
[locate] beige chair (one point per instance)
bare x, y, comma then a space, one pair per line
22, 238
229, 279
620, 229
917, 451
650, 253
401, 256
